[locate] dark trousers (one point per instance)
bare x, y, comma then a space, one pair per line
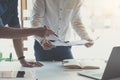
57, 54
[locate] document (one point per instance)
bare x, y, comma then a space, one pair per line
58, 42
68, 43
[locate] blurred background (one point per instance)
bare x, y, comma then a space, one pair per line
100, 16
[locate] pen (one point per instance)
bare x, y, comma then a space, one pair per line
52, 40
56, 35
60, 41
49, 28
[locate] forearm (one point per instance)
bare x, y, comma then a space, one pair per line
80, 28
18, 45
83, 32
17, 33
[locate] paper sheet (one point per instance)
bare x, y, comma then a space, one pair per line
58, 42
66, 43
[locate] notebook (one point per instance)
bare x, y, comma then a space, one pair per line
111, 71
79, 64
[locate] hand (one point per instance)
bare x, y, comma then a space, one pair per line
47, 45
44, 32
90, 43
24, 63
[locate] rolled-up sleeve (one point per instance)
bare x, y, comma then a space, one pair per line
37, 19
38, 13
78, 25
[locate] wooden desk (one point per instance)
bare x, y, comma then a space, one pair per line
50, 71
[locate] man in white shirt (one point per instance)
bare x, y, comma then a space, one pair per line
58, 15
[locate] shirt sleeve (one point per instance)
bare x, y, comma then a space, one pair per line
77, 24
37, 19
38, 12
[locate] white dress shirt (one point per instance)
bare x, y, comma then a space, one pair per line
59, 15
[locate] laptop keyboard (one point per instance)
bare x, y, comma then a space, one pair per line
91, 74
98, 74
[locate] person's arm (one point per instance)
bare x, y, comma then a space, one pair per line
18, 45
37, 19
7, 32
78, 26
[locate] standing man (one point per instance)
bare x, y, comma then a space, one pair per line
9, 17
58, 15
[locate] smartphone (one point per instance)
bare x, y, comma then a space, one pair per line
16, 74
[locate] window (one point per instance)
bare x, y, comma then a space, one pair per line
102, 17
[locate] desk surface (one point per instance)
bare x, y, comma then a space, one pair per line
50, 71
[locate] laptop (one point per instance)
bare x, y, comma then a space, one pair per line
112, 69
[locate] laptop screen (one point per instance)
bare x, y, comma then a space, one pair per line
111, 71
